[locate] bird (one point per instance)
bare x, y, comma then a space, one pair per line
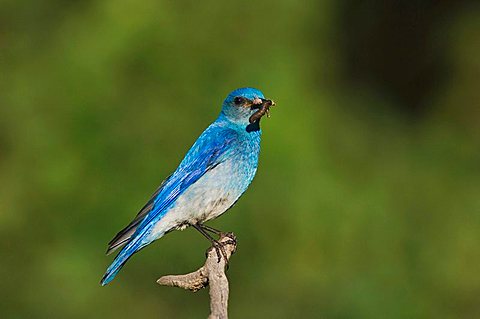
210, 179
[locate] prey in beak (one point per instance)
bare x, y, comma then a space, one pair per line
263, 107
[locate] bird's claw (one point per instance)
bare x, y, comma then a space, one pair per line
220, 251
231, 236
220, 247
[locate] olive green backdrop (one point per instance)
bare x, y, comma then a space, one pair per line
367, 199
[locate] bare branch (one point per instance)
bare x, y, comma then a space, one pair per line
211, 273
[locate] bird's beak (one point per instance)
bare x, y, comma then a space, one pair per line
257, 101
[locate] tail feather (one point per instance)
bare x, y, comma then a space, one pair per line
135, 244
132, 247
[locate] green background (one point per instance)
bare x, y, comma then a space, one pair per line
366, 203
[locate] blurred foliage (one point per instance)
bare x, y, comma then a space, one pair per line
366, 203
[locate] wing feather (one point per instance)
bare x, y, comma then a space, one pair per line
124, 235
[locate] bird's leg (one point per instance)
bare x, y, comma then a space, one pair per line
232, 241
211, 229
215, 244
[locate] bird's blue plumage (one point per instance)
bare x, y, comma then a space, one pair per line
215, 172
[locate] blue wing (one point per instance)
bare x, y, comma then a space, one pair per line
210, 149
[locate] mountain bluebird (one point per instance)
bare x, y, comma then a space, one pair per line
216, 171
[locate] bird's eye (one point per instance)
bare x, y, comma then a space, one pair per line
238, 100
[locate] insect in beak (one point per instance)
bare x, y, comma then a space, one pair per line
263, 108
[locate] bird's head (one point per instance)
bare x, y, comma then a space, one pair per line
241, 104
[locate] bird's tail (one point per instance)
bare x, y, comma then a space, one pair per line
132, 247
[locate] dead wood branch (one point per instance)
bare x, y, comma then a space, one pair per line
212, 274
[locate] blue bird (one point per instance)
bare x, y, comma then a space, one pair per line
215, 172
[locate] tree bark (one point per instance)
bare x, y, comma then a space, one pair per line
212, 274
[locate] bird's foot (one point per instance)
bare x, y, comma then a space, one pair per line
232, 238
220, 246
220, 250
